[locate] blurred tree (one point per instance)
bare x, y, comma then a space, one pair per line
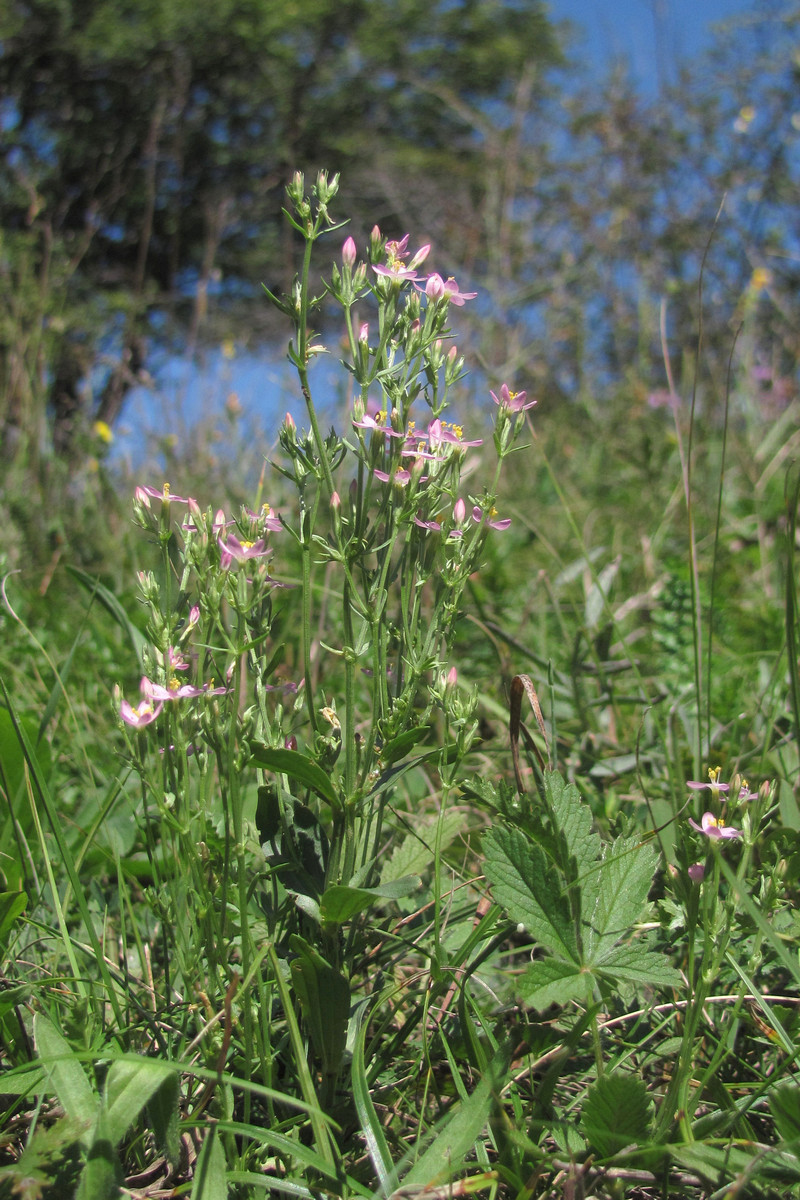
147, 142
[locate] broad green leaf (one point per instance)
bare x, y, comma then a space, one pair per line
574, 820
552, 981
576, 845
626, 877
340, 903
784, 1104
162, 1111
457, 1136
102, 1175
210, 1182
415, 853
11, 905
300, 768
65, 1074
529, 890
638, 962
129, 1087
616, 1114
324, 996
400, 746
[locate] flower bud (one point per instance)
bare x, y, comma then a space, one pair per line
349, 253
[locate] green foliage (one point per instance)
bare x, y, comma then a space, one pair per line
578, 902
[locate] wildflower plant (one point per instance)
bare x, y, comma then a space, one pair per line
299, 663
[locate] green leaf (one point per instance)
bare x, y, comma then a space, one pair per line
129, 1087
324, 996
574, 820
638, 962
457, 1136
400, 746
616, 1114
65, 1074
415, 853
551, 981
371, 1127
102, 1175
11, 905
784, 1104
340, 903
162, 1111
529, 890
300, 768
210, 1182
626, 877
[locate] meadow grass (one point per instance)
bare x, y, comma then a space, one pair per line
305, 929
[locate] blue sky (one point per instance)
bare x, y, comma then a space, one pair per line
653, 35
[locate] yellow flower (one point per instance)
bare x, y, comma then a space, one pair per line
760, 279
103, 431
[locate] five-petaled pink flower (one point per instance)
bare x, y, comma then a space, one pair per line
396, 267
479, 516
512, 401
368, 422
713, 784
714, 827
437, 288
233, 550
175, 690
140, 716
165, 495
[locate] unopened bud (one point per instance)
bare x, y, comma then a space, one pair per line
349, 253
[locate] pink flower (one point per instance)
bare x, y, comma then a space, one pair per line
165, 495
175, 690
512, 401
396, 267
349, 253
234, 550
697, 871
265, 519
438, 289
713, 827
176, 660
401, 478
479, 516
140, 716
368, 422
714, 786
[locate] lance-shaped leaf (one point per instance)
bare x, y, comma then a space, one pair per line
324, 996
529, 890
340, 903
300, 768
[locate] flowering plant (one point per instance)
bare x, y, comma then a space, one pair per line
274, 784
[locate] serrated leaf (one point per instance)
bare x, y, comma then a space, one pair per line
551, 981
638, 962
529, 890
415, 852
574, 820
626, 877
616, 1114
300, 768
